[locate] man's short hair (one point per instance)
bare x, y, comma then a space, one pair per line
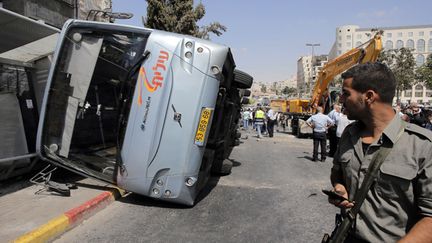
373, 76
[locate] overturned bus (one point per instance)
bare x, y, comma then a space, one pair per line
149, 111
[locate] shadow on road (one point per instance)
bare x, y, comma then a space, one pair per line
309, 158
234, 162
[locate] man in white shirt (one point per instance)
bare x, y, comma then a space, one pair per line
319, 123
271, 120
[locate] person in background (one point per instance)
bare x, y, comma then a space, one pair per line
246, 115
264, 125
282, 121
319, 123
271, 120
399, 110
251, 117
417, 116
429, 120
259, 120
334, 115
342, 122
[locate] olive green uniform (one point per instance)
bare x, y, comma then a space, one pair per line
402, 193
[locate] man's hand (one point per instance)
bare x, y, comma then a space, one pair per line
310, 124
340, 189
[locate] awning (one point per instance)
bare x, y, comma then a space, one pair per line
23, 40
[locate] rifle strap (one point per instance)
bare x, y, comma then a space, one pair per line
369, 179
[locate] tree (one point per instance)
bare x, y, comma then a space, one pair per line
181, 17
401, 62
289, 90
263, 88
424, 73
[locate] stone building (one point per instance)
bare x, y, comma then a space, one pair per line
417, 37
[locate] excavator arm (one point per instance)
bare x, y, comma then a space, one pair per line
368, 52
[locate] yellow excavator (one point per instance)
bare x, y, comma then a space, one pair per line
301, 109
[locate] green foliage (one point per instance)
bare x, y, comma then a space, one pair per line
424, 73
401, 62
289, 90
180, 16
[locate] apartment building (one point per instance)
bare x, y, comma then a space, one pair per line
307, 71
418, 38
304, 73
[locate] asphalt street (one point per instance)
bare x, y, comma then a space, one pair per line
272, 195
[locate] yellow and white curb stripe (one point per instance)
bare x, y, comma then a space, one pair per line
57, 226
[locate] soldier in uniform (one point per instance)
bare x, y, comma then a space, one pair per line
398, 206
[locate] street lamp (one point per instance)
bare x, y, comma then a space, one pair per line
312, 64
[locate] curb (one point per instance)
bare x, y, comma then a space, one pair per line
71, 218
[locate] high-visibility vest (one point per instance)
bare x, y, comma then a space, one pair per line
259, 114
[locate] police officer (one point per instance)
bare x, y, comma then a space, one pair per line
259, 120
398, 206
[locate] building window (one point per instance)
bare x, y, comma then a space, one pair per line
340, 44
399, 34
418, 87
419, 101
389, 35
421, 33
410, 44
340, 38
389, 45
408, 93
418, 94
348, 44
399, 44
419, 61
430, 45
420, 45
410, 34
428, 93
358, 43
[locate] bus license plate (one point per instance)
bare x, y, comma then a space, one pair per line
202, 126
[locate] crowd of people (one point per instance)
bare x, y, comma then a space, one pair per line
413, 113
263, 120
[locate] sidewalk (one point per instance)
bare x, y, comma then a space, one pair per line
28, 217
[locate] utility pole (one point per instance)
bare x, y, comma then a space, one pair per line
312, 65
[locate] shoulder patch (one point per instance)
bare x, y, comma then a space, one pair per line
419, 131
